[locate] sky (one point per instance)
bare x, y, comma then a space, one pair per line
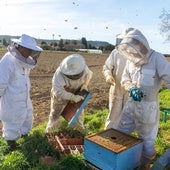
99, 20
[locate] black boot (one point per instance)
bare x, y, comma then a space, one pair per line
12, 144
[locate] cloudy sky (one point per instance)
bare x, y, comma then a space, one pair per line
93, 19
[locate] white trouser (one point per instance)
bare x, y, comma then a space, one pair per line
117, 99
144, 117
14, 130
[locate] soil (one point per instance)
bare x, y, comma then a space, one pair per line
41, 77
47, 160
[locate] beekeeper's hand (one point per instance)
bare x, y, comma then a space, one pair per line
76, 98
84, 87
110, 80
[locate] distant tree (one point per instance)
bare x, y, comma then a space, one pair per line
61, 44
74, 42
84, 42
4, 42
67, 42
43, 43
101, 48
55, 44
165, 25
91, 47
45, 46
109, 47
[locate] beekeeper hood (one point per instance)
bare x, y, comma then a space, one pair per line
135, 47
119, 37
29, 43
73, 66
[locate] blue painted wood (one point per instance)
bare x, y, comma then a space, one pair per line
106, 159
79, 111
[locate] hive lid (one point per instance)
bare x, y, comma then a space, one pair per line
73, 110
114, 140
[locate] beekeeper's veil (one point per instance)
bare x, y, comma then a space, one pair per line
135, 47
119, 37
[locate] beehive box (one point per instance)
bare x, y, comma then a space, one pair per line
113, 150
66, 143
73, 110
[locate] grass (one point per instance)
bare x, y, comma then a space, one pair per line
36, 145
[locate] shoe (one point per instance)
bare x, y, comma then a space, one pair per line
12, 144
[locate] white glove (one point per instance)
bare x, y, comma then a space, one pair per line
110, 80
77, 98
84, 87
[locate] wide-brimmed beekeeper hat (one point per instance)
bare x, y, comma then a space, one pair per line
27, 42
73, 64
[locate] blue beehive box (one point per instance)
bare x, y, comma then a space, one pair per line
113, 150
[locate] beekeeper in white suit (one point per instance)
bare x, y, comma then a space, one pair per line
16, 111
112, 71
72, 74
142, 77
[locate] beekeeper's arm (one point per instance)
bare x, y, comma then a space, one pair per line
126, 82
58, 89
5, 72
163, 68
88, 76
108, 68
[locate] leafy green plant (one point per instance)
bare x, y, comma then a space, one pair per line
3, 150
164, 98
73, 163
95, 122
16, 161
37, 145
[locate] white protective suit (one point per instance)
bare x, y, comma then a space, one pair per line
62, 90
145, 72
16, 111
114, 65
